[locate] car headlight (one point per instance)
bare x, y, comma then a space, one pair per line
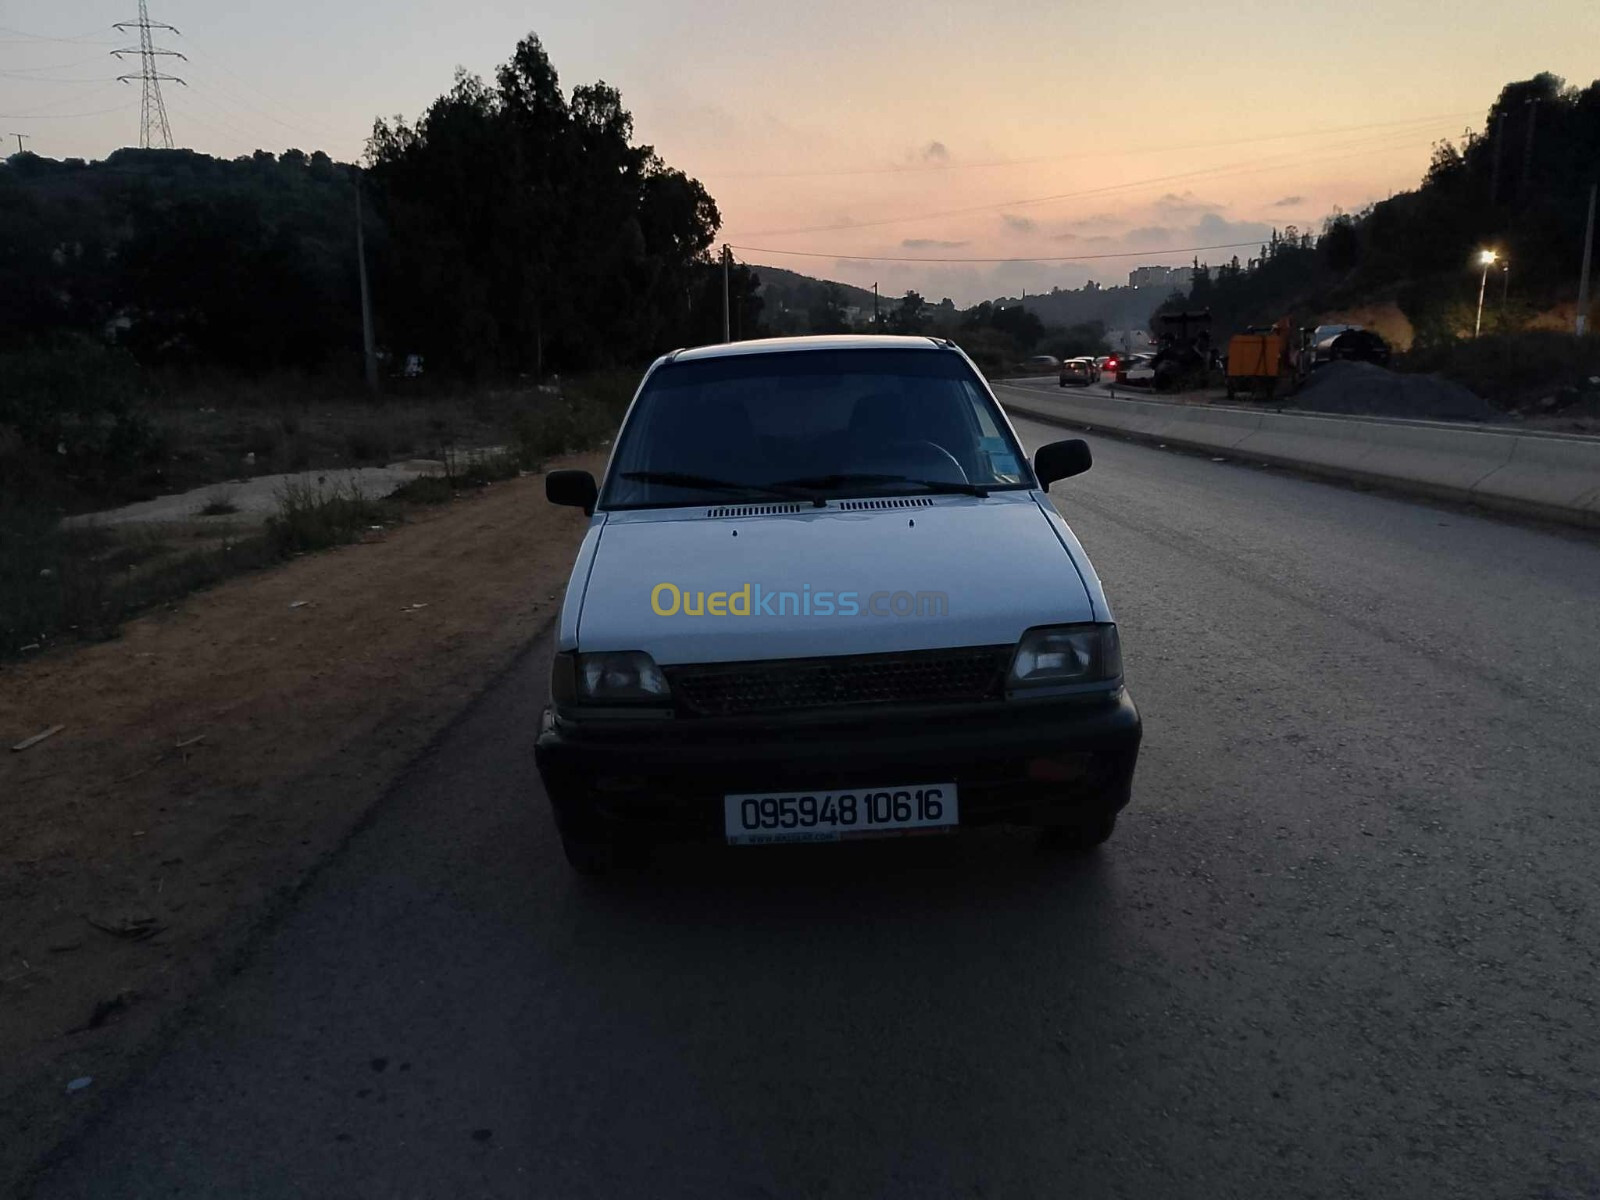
621, 677
1065, 655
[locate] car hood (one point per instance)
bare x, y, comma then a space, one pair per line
975, 571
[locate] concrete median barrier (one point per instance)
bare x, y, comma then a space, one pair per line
1548, 472
1214, 428
1437, 459
1544, 475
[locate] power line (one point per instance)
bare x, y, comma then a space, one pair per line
310, 124
79, 96
67, 66
153, 122
49, 79
1245, 168
1163, 251
99, 112
41, 110
929, 168
222, 121
93, 37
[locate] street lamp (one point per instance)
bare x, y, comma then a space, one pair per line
1486, 257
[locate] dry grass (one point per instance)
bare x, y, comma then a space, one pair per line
58, 584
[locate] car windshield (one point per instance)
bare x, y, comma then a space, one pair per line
814, 424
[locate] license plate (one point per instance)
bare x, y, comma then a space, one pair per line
771, 818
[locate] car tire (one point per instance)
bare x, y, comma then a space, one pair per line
1080, 838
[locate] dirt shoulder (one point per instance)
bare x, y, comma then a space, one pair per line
211, 756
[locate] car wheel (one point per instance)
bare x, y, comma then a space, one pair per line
1077, 839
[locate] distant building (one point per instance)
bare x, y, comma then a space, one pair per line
1169, 278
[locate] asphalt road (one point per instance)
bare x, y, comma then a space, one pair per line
1344, 943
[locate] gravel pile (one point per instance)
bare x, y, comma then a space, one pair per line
1363, 389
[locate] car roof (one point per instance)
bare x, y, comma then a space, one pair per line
788, 345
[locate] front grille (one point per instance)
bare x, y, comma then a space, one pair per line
967, 674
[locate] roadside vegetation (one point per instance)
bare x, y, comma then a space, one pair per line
172, 321
1533, 370
1410, 266
86, 428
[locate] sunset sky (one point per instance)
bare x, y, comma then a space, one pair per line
1020, 130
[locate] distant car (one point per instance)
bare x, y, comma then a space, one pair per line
1106, 364
1078, 372
1041, 364
1323, 332
1351, 344
1137, 370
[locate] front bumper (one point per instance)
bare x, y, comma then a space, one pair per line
1027, 762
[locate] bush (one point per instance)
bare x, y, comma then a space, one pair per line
486, 469
993, 350
58, 583
1510, 370
313, 517
425, 489
73, 417
83, 582
585, 415
44, 586
368, 443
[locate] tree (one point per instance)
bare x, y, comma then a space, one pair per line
1020, 324
1341, 244
827, 315
530, 231
907, 314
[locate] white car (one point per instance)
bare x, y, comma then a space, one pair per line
824, 595
1137, 370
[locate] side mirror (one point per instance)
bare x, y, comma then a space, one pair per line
1061, 460
575, 489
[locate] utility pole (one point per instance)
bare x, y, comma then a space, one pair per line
22, 137
153, 126
1487, 258
727, 269
1527, 146
1583, 280
1499, 149
368, 347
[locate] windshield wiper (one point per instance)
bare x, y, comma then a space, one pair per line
708, 483
845, 479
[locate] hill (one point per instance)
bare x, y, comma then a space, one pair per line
1113, 307
789, 291
1519, 190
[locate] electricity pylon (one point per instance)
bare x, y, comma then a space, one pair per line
153, 127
